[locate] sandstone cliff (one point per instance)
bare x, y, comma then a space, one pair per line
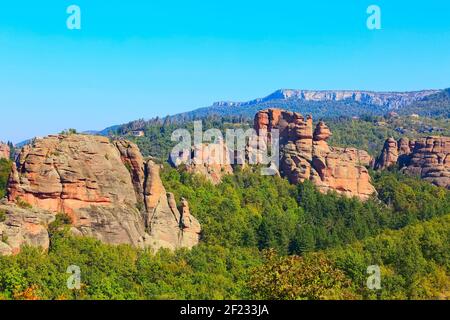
427, 158
4, 151
105, 188
306, 155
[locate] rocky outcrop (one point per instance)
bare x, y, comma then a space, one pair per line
389, 155
164, 216
211, 160
427, 158
306, 155
134, 162
23, 226
5, 151
106, 188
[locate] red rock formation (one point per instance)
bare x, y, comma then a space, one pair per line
430, 159
389, 155
4, 151
427, 158
306, 155
106, 189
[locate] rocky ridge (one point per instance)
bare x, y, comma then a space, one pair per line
391, 100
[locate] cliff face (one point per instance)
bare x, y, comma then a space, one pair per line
4, 151
105, 188
306, 155
427, 158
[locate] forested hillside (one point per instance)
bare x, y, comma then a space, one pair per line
253, 226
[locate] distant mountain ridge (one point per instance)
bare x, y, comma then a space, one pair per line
392, 100
332, 103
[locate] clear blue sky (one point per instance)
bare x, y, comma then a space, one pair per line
134, 59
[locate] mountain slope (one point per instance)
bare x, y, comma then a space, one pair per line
434, 105
321, 104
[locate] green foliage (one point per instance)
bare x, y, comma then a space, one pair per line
325, 242
2, 215
23, 204
68, 132
312, 277
414, 261
370, 133
157, 140
248, 209
410, 199
5, 169
123, 272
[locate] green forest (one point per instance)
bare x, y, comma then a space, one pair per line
262, 239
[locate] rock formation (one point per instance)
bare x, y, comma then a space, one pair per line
211, 160
389, 155
164, 216
23, 226
427, 158
306, 155
4, 151
106, 188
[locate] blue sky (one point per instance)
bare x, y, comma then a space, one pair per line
139, 59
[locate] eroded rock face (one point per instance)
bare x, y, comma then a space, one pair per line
23, 226
168, 228
211, 160
430, 159
389, 155
427, 158
106, 188
5, 151
306, 155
